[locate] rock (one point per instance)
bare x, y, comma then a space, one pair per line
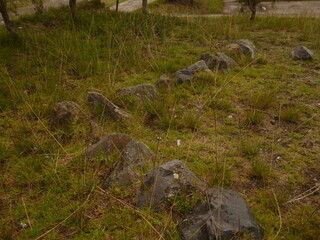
219, 61
110, 109
247, 47
64, 113
221, 216
143, 91
164, 82
302, 53
199, 66
134, 157
115, 142
186, 75
234, 51
165, 181
183, 75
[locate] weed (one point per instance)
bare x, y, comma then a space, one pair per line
220, 104
259, 170
190, 120
250, 148
253, 118
262, 100
290, 115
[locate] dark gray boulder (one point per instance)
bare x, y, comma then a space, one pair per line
115, 142
248, 47
223, 215
218, 61
187, 74
135, 157
302, 53
109, 108
142, 91
64, 113
165, 181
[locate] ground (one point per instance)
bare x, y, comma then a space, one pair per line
254, 130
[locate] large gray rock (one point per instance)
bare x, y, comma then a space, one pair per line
115, 142
110, 109
134, 158
247, 47
64, 113
221, 216
218, 61
165, 181
302, 53
143, 91
187, 74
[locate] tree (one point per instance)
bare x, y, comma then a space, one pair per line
73, 8
6, 19
144, 6
252, 5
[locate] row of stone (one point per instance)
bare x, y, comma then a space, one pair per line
221, 214
66, 112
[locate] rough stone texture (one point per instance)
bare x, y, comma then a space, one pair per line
134, 157
165, 181
187, 74
302, 53
115, 142
143, 91
199, 66
219, 61
64, 113
110, 109
247, 47
164, 82
221, 216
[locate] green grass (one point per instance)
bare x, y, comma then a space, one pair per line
46, 184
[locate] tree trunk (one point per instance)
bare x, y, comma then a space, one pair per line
6, 19
144, 6
253, 9
73, 8
117, 5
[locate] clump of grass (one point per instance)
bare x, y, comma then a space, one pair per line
262, 100
220, 104
4, 152
190, 120
161, 111
253, 118
184, 203
259, 170
250, 148
290, 115
220, 173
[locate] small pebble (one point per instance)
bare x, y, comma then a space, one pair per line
176, 176
278, 157
23, 225
178, 142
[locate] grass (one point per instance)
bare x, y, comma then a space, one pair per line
198, 7
47, 185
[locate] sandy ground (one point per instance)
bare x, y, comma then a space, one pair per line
283, 8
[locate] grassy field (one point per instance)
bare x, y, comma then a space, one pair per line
222, 120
